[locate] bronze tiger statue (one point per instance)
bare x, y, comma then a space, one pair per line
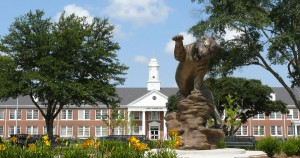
193, 64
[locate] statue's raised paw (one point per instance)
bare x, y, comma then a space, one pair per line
177, 38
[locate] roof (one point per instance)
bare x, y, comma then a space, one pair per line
129, 95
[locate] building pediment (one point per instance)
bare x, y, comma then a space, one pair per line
153, 99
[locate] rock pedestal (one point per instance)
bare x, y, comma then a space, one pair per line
190, 120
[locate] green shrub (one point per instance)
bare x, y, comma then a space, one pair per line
290, 147
269, 145
221, 144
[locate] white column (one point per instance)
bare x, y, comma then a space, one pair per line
296, 132
129, 123
165, 127
144, 123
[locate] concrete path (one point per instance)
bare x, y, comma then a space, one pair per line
219, 153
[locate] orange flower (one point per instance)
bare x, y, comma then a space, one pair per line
56, 139
32, 147
173, 132
143, 147
14, 139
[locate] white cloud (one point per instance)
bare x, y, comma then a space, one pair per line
231, 34
141, 59
119, 33
187, 39
140, 12
79, 11
2, 53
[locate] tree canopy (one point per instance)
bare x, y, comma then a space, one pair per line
268, 35
68, 62
252, 97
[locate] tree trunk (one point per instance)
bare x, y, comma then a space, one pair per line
49, 124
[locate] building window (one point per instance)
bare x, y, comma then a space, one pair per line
14, 130
293, 114
119, 115
31, 130
1, 131
83, 114
101, 114
259, 130
154, 115
276, 131
290, 131
242, 131
119, 130
66, 131
84, 131
136, 115
67, 115
32, 114
13, 114
101, 131
1, 114
275, 115
45, 130
136, 130
259, 117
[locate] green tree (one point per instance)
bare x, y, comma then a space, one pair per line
247, 99
171, 103
69, 62
232, 114
269, 35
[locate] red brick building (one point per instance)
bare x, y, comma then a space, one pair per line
142, 108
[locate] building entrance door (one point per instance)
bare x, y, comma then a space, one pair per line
154, 132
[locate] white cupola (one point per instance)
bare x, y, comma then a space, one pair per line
153, 81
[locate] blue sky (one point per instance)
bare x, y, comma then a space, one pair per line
144, 29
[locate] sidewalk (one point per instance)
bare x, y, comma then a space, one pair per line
219, 153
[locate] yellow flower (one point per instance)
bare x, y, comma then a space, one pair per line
45, 137
14, 139
47, 143
2, 147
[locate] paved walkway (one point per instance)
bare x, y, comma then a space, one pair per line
219, 153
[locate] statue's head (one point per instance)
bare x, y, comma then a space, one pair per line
205, 48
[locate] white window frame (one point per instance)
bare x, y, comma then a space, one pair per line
154, 115
259, 117
11, 130
290, 130
1, 114
1, 131
68, 130
137, 130
45, 130
84, 114
293, 114
31, 113
32, 130
101, 131
13, 112
119, 130
136, 115
242, 131
101, 114
277, 130
84, 131
68, 113
259, 130
275, 116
